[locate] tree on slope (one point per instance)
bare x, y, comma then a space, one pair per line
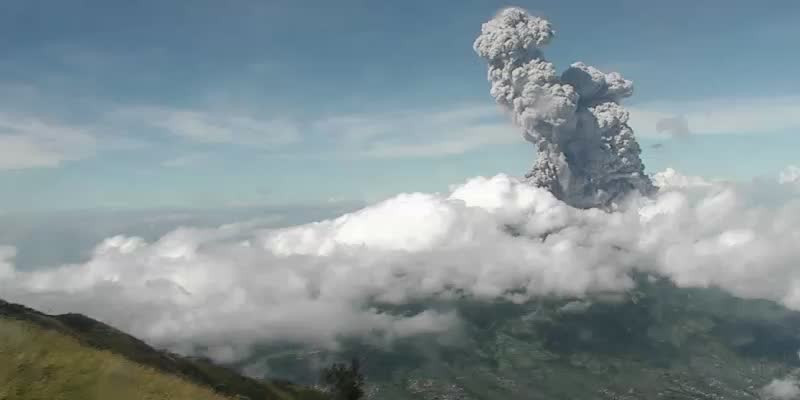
345, 382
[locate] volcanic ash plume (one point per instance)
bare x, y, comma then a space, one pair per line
587, 154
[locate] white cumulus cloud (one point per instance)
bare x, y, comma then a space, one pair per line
782, 389
226, 289
790, 174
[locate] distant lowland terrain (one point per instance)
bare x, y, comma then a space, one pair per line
657, 341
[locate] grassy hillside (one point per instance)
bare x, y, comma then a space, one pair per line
75, 357
44, 364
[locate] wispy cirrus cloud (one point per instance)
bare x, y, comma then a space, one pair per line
467, 139
212, 126
746, 115
423, 133
186, 160
33, 142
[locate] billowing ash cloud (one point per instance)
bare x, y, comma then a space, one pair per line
587, 154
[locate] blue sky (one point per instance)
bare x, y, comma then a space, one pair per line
207, 104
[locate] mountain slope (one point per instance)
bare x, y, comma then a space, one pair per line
44, 364
657, 341
72, 356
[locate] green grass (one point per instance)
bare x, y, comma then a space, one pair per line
47, 365
72, 356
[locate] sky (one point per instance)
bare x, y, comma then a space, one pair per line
207, 104
220, 174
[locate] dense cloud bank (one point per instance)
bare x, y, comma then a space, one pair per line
587, 153
228, 288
